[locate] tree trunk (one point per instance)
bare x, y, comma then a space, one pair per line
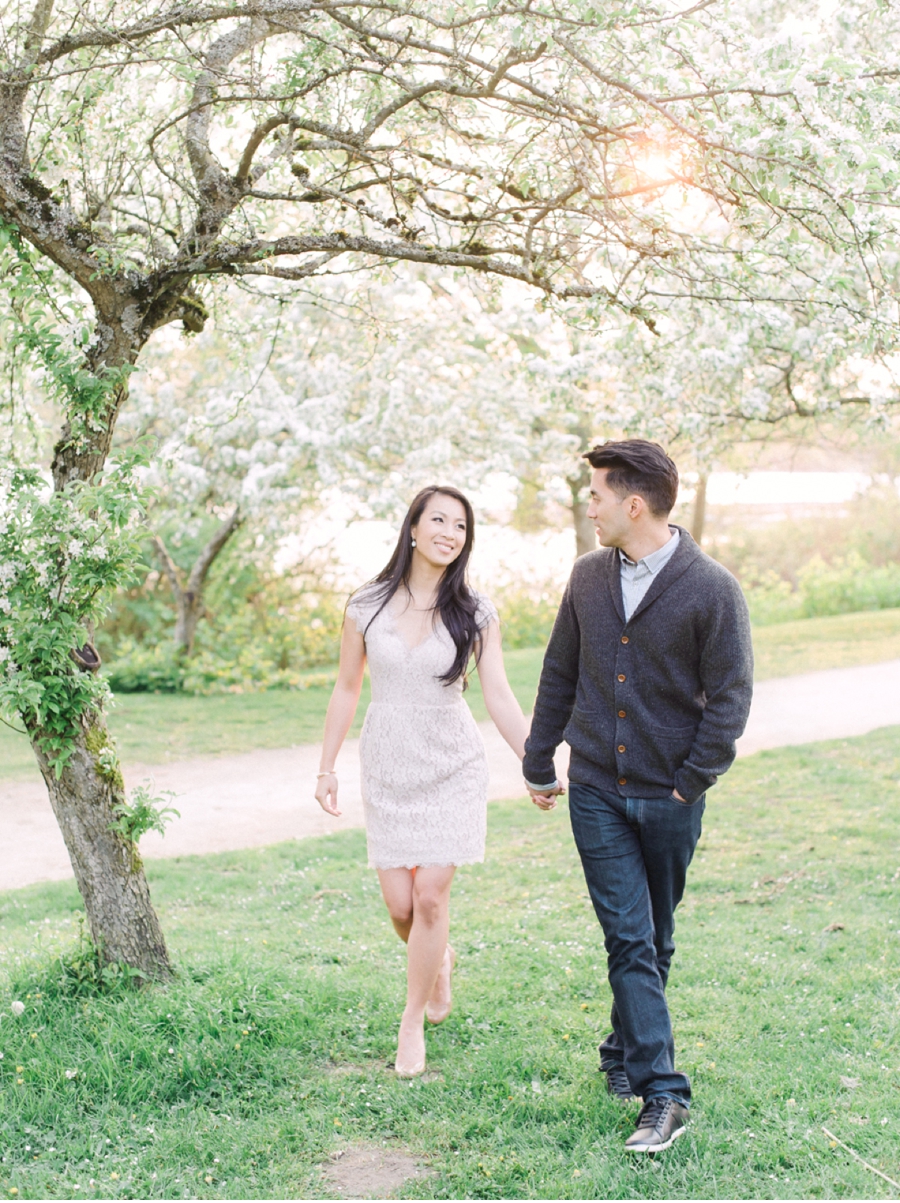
698, 521
108, 868
189, 605
190, 610
585, 533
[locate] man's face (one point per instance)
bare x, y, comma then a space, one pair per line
608, 511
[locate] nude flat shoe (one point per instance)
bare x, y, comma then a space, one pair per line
439, 1014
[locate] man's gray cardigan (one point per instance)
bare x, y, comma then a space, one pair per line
652, 704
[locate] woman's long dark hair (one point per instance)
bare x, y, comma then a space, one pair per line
456, 603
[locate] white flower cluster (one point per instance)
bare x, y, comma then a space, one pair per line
61, 556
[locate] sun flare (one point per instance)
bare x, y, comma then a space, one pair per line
658, 167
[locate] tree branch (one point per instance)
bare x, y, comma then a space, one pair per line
205, 560
211, 179
181, 15
13, 139
24, 201
170, 568
254, 142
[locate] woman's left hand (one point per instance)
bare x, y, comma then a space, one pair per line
327, 792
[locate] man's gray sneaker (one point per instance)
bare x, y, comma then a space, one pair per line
660, 1123
617, 1084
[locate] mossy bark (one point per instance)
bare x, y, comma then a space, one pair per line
109, 873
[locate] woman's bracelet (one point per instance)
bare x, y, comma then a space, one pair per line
329, 773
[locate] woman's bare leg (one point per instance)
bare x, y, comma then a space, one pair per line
429, 895
397, 891
440, 1001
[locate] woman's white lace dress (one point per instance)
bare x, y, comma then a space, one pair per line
424, 769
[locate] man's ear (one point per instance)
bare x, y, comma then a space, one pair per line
636, 505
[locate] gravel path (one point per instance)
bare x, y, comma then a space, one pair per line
265, 796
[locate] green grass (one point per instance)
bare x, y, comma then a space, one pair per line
268, 1052
839, 641
156, 728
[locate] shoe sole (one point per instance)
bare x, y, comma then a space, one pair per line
657, 1148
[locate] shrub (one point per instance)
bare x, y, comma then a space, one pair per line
246, 671
869, 526
846, 585
770, 598
806, 567
526, 616
261, 631
233, 668
140, 669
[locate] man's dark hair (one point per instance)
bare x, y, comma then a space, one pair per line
638, 466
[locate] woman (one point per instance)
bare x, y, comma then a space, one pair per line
424, 769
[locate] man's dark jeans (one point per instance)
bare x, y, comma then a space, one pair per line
635, 853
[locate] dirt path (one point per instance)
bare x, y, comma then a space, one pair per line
265, 796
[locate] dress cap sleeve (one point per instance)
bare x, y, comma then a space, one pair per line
486, 613
361, 607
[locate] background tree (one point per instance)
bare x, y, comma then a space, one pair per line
281, 140
281, 417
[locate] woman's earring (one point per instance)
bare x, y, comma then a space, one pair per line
413, 542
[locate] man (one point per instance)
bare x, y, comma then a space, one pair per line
648, 676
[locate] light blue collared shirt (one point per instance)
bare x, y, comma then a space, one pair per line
638, 577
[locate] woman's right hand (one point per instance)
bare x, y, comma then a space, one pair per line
327, 792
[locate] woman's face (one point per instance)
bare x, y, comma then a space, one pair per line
440, 533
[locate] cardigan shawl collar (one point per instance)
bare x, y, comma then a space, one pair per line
684, 555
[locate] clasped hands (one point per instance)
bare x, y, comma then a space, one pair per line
545, 799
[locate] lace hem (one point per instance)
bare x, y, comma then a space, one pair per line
435, 864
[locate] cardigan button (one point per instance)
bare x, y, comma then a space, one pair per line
620, 677
621, 714
623, 781
621, 747
624, 638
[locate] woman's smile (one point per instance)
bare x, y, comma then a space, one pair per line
440, 533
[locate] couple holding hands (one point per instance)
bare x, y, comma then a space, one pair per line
648, 677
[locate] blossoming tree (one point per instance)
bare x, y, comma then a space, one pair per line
611, 156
